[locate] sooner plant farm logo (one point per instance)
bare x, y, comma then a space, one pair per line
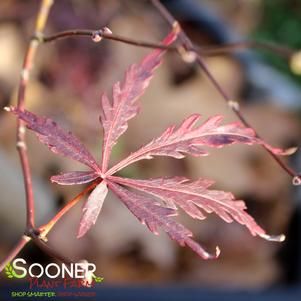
53, 275
10, 272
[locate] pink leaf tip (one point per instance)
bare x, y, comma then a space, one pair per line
290, 151
277, 238
279, 151
213, 256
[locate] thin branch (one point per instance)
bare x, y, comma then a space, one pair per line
188, 45
15, 251
284, 52
108, 36
44, 230
281, 51
21, 144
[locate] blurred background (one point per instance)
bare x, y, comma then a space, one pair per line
68, 79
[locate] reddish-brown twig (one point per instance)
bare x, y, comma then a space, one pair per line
281, 51
21, 144
284, 52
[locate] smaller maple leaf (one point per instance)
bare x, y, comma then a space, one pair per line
194, 197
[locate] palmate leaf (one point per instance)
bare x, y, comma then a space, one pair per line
195, 198
155, 216
115, 115
56, 139
191, 139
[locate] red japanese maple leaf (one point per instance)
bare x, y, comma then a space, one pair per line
165, 195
